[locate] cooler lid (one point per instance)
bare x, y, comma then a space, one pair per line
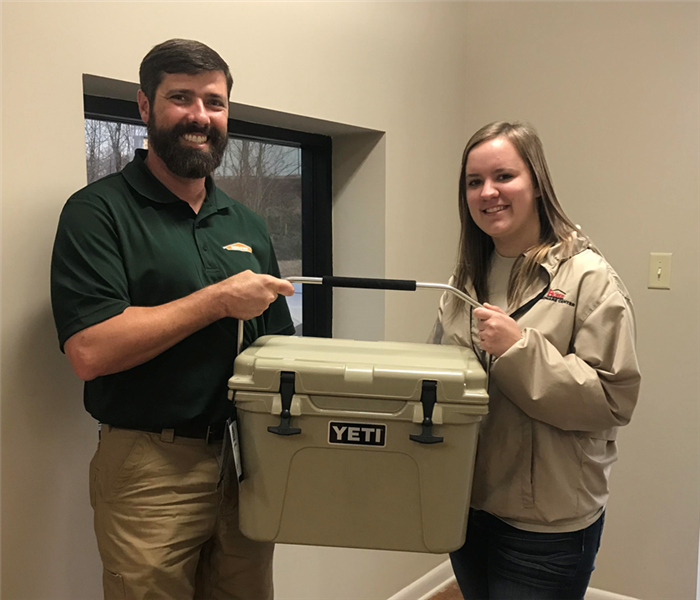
335, 367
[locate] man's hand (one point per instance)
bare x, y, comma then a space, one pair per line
497, 331
247, 294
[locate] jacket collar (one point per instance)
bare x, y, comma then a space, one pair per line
556, 255
564, 250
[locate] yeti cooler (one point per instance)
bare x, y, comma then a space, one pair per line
357, 444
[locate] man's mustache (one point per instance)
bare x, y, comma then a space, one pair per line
182, 129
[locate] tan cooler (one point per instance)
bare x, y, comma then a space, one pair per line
357, 444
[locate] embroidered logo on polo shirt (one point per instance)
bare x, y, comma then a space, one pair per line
238, 247
558, 296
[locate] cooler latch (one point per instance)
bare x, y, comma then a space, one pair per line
287, 393
428, 399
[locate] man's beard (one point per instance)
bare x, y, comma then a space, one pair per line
191, 163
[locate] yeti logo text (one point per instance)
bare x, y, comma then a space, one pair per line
357, 434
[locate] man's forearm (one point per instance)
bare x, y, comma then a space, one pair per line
141, 333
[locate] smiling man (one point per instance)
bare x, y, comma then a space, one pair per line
152, 268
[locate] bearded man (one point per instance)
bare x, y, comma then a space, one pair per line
147, 293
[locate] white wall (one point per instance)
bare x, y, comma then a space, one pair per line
614, 90
392, 68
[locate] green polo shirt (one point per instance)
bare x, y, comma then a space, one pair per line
126, 240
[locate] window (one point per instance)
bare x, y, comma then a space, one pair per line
283, 175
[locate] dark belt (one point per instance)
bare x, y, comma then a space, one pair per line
210, 433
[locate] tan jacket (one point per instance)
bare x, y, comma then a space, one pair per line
557, 396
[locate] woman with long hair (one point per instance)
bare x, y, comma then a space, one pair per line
557, 334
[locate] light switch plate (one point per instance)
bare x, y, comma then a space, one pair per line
660, 270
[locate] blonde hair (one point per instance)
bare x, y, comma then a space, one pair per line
476, 247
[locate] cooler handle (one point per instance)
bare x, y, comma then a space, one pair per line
383, 284
369, 283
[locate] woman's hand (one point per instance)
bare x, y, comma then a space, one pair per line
497, 331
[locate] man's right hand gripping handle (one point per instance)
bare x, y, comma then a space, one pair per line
248, 295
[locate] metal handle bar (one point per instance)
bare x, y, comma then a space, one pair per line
388, 284
383, 284
370, 284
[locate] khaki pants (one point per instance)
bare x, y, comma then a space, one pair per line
164, 530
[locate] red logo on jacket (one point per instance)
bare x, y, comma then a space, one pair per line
558, 296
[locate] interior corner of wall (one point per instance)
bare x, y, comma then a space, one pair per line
359, 231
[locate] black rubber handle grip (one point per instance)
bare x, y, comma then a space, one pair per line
369, 283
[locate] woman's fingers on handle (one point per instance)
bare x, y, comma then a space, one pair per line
483, 314
494, 308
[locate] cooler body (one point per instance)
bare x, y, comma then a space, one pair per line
355, 465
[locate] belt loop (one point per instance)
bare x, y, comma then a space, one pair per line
167, 435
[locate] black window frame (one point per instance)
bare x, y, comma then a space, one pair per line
316, 199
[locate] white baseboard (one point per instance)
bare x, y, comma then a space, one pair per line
428, 585
442, 576
596, 594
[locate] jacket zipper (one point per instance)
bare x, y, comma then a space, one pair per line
516, 313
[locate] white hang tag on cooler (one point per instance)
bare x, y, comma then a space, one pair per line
233, 432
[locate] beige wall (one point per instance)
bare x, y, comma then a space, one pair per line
393, 68
614, 90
